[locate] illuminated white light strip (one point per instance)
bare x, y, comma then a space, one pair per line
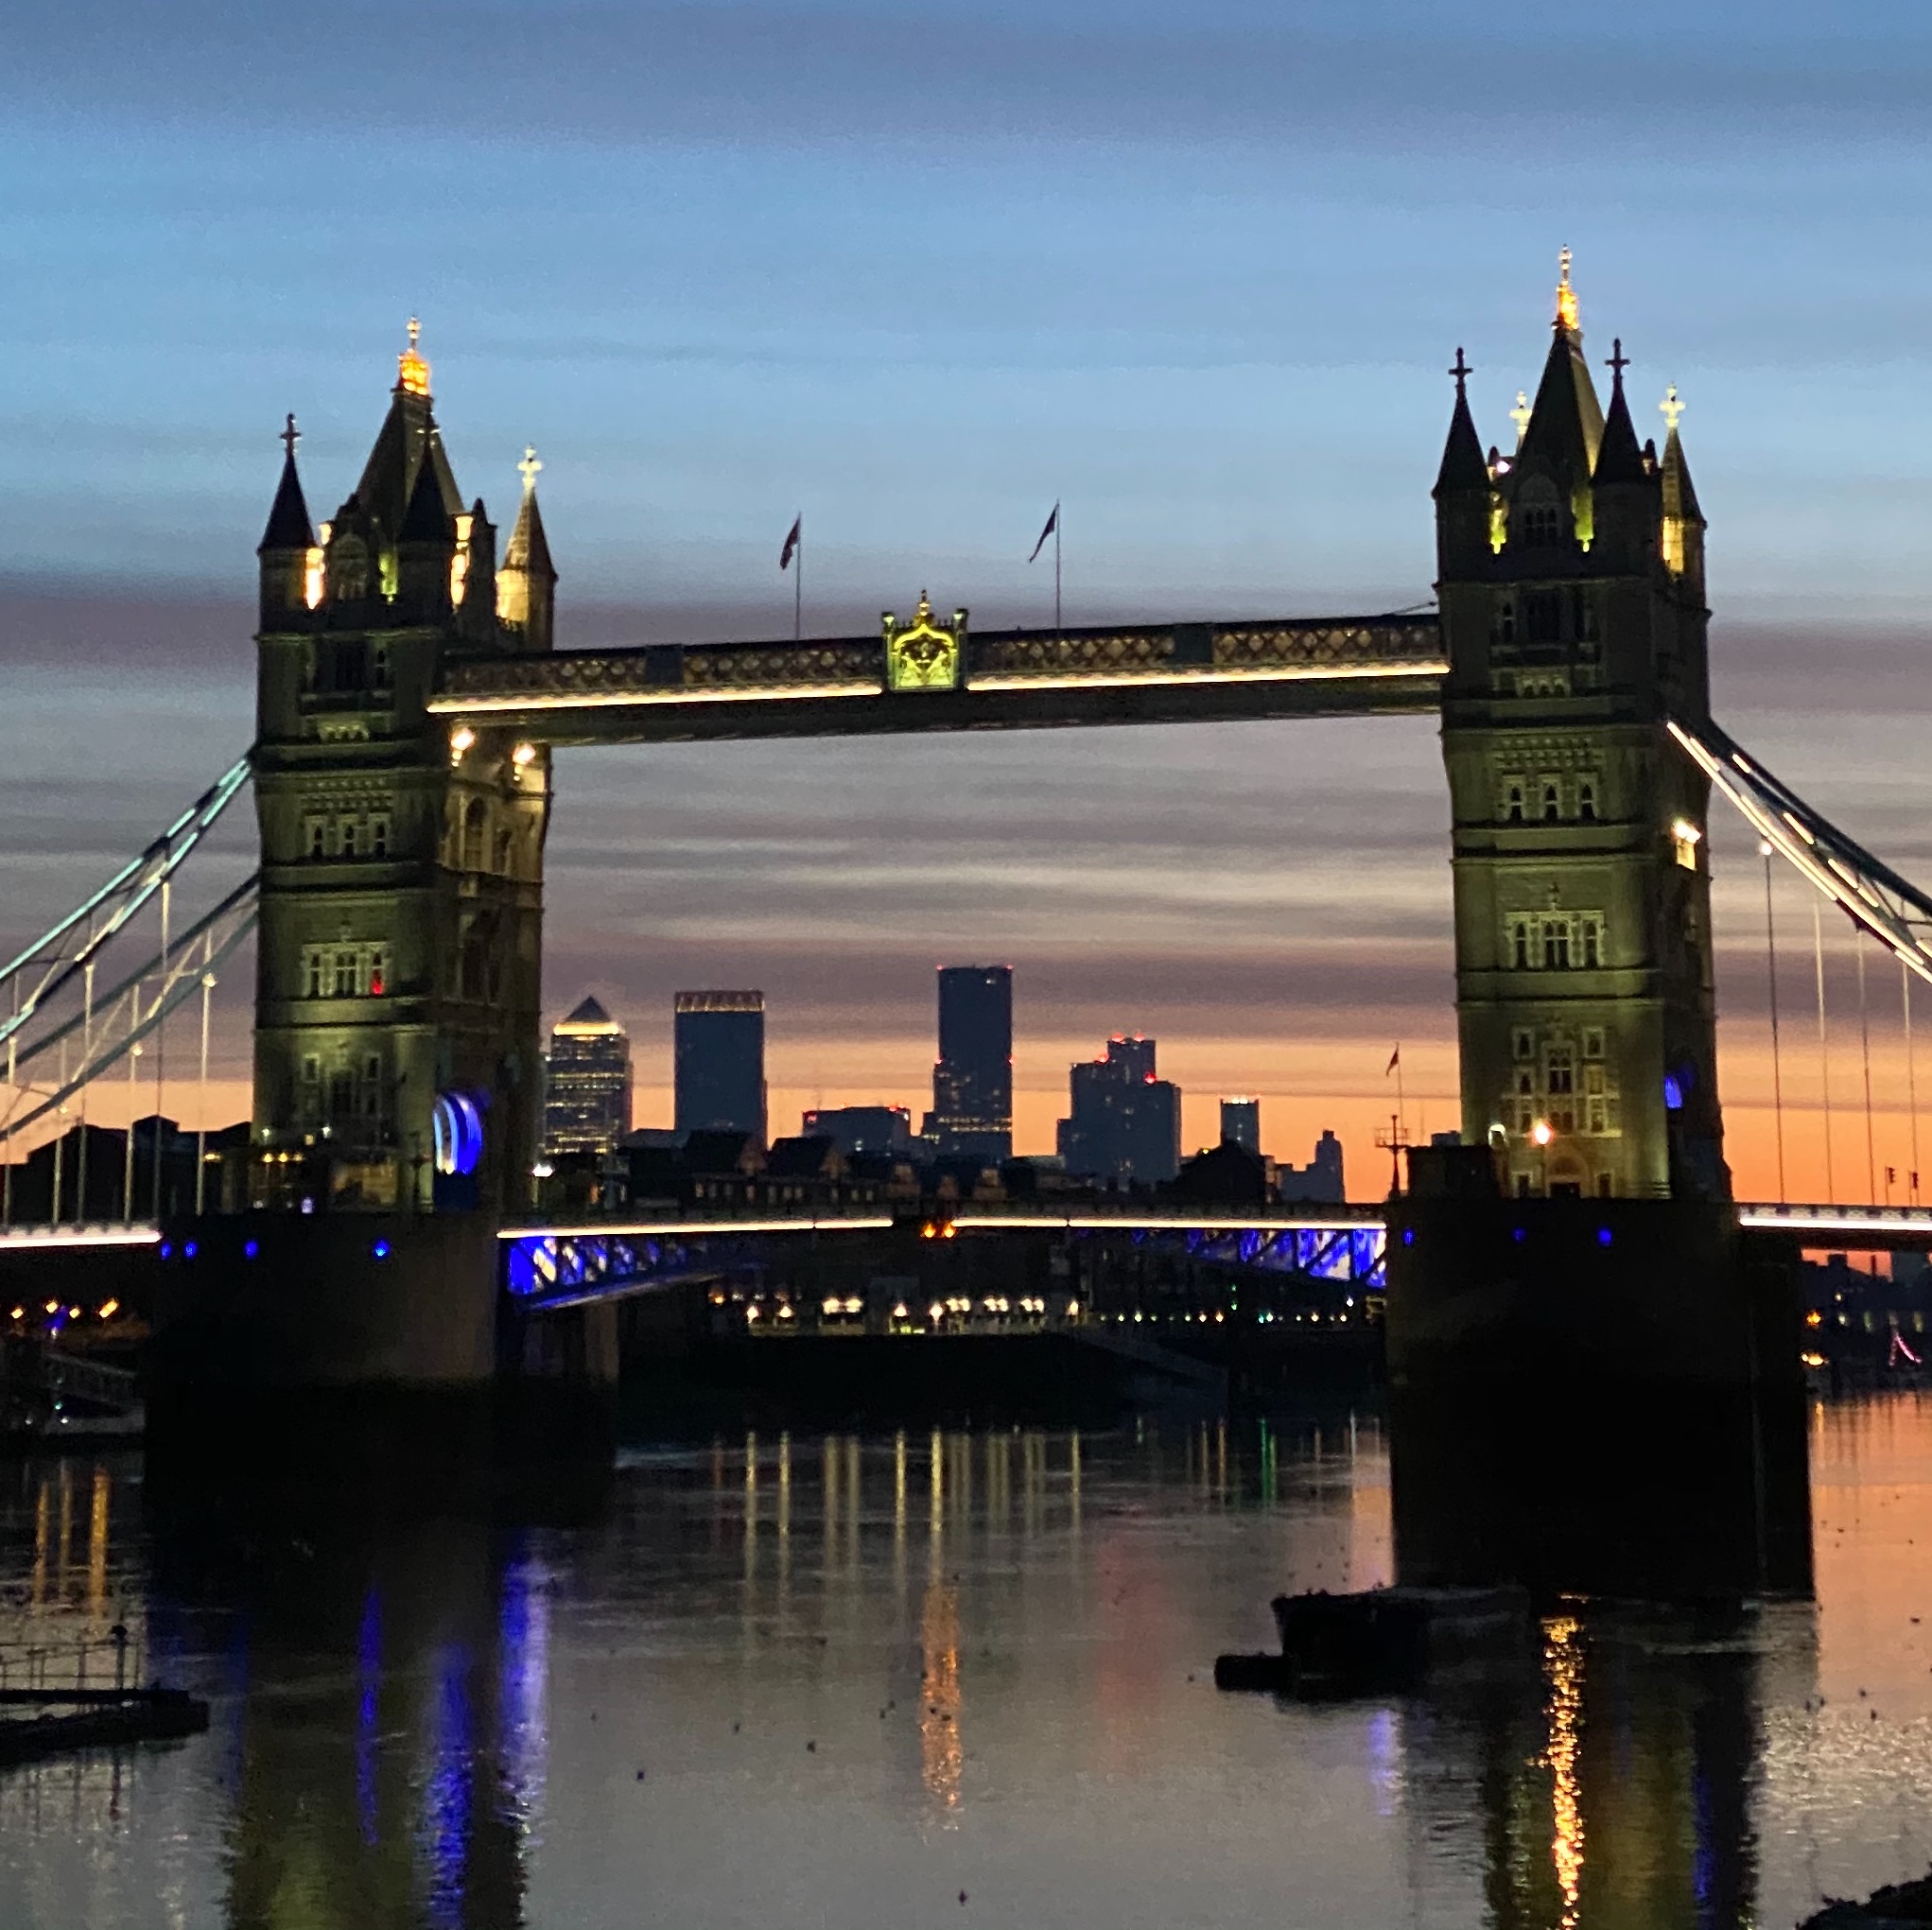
41, 1238
608, 700
1120, 1222
1296, 673
454, 705
677, 1229
1837, 1219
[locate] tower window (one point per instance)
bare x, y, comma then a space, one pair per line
351, 664
1586, 801
1553, 802
1593, 1043
1555, 944
1504, 629
1523, 1043
312, 975
1562, 1077
349, 839
1513, 802
378, 837
1543, 615
345, 980
1541, 523
379, 667
1519, 956
311, 1070
317, 835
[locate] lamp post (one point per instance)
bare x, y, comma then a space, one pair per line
1542, 1133
1777, 1062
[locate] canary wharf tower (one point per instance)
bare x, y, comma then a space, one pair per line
396, 1042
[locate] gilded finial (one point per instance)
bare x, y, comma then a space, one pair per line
1670, 409
1566, 295
528, 468
291, 436
1520, 415
412, 372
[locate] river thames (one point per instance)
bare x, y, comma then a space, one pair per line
920, 1678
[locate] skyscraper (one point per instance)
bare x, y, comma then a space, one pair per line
719, 1048
861, 1128
1240, 1124
1123, 1124
972, 1082
586, 1083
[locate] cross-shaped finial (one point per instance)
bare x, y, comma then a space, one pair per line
1670, 409
291, 436
1462, 371
1520, 414
529, 467
415, 331
1563, 267
1617, 361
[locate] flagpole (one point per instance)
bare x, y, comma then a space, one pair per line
798, 584
1402, 1102
1057, 626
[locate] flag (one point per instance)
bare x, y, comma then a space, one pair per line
1052, 523
793, 537
1395, 1059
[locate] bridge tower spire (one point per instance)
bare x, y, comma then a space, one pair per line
397, 990
1574, 631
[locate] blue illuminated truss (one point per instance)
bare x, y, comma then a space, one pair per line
1354, 1255
554, 1270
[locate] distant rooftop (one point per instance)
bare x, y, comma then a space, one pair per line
589, 1019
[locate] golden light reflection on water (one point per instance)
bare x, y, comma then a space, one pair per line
1563, 1676
942, 1755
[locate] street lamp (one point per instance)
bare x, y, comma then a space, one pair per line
1542, 1133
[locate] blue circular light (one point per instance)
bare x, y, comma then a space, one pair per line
1520, 1236
188, 1251
1408, 1236
168, 1249
253, 1248
380, 1249
1603, 1236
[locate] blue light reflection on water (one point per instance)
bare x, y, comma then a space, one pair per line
447, 1785
733, 1604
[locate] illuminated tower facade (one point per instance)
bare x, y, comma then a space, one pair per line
398, 1057
1571, 577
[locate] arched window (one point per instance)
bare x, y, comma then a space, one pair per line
1553, 802
1586, 801
1537, 521
476, 822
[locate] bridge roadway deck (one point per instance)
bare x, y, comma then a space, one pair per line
1819, 1224
1011, 680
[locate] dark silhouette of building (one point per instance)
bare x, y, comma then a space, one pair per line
862, 1128
586, 1083
1240, 1124
1125, 1122
1320, 1180
719, 1046
972, 1082
1224, 1175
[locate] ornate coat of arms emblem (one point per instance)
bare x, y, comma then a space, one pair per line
921, 655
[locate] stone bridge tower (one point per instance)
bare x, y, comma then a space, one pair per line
1571, 589
396, 997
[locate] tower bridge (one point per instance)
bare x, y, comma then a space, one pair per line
410, 700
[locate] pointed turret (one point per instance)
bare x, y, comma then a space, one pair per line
1618, 458
426, 544
474, 582
526, 584
1462, 488
408, 441
1684, 520
287, 541
1624, 491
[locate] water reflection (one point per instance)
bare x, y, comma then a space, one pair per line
787, 1678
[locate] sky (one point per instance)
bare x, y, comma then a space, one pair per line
918, 270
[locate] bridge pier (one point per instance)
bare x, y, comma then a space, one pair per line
1603, 1397
274, 1328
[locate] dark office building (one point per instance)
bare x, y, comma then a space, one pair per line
1240, 1124
1320, 1181
861, 1128
972, 1083
1125, 1122
719, 1048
